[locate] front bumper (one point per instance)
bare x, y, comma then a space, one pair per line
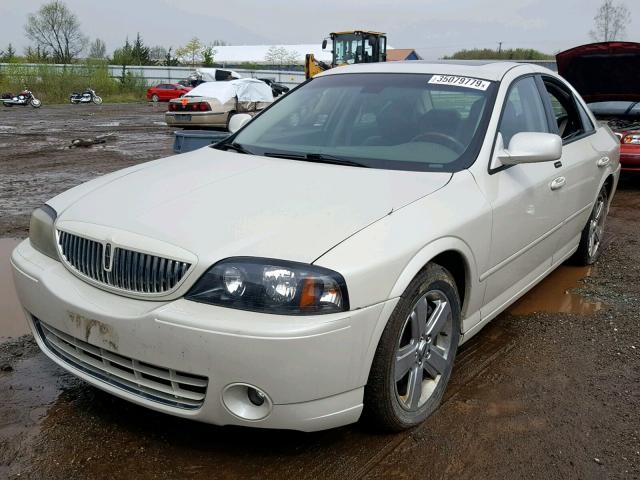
312, 368
630, 157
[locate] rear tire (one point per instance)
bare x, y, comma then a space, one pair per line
414, 358
155, 98
593, 232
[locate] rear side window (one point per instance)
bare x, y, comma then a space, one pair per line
523, 110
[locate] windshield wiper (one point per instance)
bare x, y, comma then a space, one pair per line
236, 147
317, 158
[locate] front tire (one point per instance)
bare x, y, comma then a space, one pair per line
414, 358
593, 232
97, 100
155, 98
35, 103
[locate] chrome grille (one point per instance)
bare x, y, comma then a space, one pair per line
126, 269
162, 385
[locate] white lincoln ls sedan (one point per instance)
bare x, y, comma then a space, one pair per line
326, 260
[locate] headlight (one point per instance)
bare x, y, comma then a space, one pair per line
272, 286
41, 231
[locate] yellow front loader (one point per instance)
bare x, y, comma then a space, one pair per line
357, 46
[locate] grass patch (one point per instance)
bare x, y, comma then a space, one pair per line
53, 84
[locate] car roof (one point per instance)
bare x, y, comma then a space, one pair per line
494, 71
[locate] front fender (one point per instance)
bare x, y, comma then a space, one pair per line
428, 253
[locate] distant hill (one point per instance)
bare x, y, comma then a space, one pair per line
507, 54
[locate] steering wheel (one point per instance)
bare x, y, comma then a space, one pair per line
442, 139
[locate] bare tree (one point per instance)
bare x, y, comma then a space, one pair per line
157, 54
97, 49
280, 56
610, 23
57, 29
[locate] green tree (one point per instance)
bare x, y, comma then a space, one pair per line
8, 55
124, 54
191, 53
140, 52
208, 56
170, 60
57, 29
37, 55
503, 54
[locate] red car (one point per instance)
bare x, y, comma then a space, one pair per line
166, 92
607, 75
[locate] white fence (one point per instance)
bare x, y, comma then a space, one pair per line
154, 74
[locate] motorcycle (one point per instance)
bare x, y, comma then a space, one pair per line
88, 96
23, 98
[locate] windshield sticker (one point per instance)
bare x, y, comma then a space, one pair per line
457, 81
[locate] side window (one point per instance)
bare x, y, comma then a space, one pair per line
523, 110
570, 118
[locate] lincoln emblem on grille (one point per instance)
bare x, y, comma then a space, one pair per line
106, 257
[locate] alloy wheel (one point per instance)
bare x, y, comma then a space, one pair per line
423, 351
596, 225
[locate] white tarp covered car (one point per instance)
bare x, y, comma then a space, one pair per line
212, 104
212, 75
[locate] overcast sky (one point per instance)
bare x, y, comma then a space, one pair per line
433, 27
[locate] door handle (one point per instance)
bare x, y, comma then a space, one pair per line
558, 183
603, 162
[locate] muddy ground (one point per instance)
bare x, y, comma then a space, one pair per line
37, 163
550, 389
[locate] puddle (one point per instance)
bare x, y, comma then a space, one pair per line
108, 124
12, 321
554, 294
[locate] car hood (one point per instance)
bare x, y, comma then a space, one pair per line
602, 72
218, 204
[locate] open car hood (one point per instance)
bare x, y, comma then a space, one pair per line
600, 72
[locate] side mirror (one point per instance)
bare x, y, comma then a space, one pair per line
531, 147
238, 121
324, 43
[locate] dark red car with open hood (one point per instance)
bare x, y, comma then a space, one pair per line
607, 76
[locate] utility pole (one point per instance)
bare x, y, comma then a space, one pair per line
499, 47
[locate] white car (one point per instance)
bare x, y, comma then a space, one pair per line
331, 255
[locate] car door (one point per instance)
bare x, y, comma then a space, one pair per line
524, 203
580, 166
165, 92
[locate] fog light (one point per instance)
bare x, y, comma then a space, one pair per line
256, 397
246, 402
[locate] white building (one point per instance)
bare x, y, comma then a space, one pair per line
238, 54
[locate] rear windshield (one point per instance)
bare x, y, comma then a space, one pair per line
393, 121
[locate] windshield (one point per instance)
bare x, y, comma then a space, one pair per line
391, 121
